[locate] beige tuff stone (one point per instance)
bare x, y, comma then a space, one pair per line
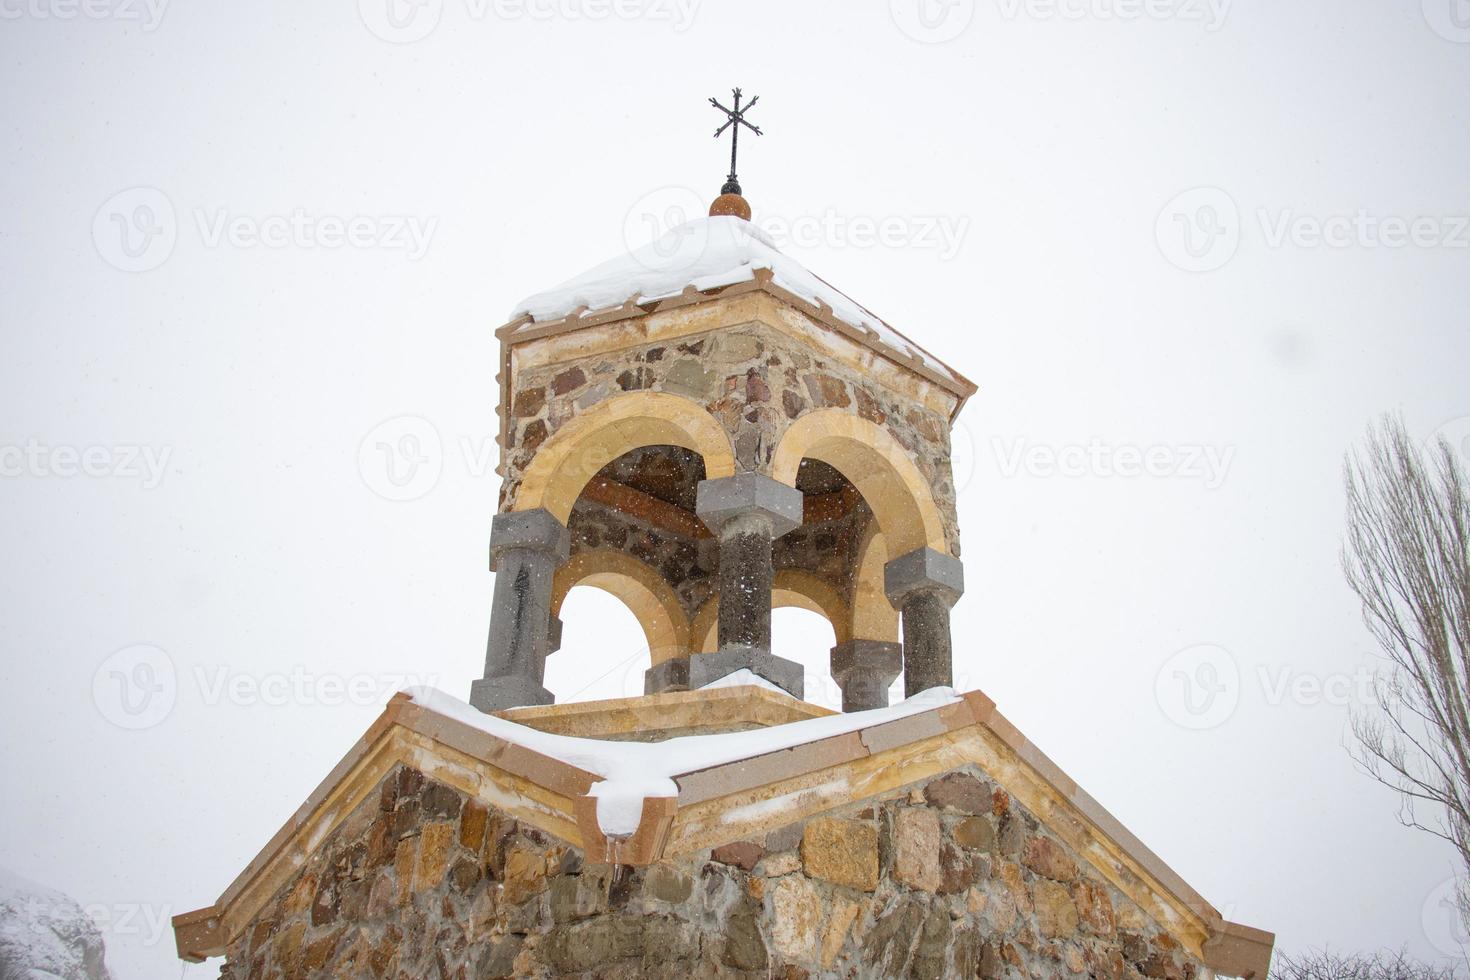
841, 851
838, 923
434, 842
797, 913
916, 840
776, 865
1056, 915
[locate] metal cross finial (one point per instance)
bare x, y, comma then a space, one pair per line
735, 118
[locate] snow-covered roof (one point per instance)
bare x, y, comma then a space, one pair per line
634, 771
708, 253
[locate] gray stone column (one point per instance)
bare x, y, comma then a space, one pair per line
922, 585
747, 512
526, 548
864, 669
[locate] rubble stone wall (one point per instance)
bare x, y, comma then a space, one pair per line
948, 879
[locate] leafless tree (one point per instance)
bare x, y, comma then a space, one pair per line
1407, 557
1325, 965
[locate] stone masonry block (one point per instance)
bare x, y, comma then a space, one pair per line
538, 530
920, 569
720, 501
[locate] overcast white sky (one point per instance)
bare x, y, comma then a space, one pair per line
177, 297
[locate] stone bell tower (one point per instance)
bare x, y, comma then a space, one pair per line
708, 431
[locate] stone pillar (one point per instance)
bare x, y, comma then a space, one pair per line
746, 512
526, 548
864, 669
922, 585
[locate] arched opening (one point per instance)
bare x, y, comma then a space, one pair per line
640, 587
604, 649
806, 636
573, 455
877, 466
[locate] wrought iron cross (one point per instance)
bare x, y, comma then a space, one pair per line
734, 119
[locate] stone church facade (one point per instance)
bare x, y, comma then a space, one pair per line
708, 432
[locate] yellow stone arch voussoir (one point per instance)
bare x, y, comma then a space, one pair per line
641, 588
877, 464
575, 452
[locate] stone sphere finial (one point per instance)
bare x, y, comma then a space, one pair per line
730, 204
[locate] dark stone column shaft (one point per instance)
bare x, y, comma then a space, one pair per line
922, 585
526, 549
928, 650
745, 582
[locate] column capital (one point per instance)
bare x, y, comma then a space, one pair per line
717, 502
875, 655
864, 669
534, 530
924, 569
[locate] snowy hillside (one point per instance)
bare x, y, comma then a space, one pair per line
44, 935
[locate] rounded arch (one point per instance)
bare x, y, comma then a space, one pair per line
640, 587
789, 587
873, 616
874, 462
573, 454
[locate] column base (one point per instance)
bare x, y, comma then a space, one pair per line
864, 669
671, 675
498, 693
788, 675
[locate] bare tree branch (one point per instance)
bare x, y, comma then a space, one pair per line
1407, 557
